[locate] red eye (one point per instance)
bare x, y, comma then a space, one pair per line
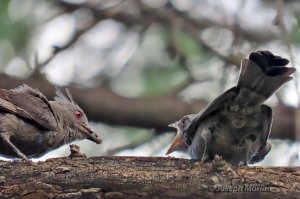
78, 114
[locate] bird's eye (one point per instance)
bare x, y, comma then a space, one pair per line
78, 114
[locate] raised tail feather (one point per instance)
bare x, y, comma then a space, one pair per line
264, 73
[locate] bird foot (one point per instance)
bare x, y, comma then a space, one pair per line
75, 151
219, 164
242, 164
6, 138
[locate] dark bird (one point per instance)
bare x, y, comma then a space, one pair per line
236, 125
31, 125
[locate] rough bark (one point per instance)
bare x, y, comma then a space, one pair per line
144, 177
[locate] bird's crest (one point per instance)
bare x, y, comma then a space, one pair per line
62, 98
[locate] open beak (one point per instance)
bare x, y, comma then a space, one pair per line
91, 135
177, 145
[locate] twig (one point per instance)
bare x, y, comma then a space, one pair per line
168, 17
72, 7
72, 41
162, 16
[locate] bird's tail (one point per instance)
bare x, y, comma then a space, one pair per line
262, 75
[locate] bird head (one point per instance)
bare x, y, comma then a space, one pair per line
179, 143
183, 123
73, 118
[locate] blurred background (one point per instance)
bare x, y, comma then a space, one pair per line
136, 66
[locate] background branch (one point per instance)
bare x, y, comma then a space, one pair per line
103, 105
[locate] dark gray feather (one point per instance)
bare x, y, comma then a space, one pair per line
265, 133
210, 108
30, 104
64, 99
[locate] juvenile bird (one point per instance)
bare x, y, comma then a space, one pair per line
178, 143
31, 125
236, 125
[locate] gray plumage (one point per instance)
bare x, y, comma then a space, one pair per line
178, 143
31, 125
236, 125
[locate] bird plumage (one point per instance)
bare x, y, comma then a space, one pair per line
236, 125
31, 125
179, 143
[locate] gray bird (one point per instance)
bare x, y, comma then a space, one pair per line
31, 125
178, 143
236, 125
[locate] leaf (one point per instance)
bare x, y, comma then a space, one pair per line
159, 79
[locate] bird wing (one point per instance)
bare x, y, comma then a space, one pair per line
265, 147
215, 105
28, 103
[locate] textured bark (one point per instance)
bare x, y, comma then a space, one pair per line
144, 177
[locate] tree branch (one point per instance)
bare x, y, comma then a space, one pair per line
144, 177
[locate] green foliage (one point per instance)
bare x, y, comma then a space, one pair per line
136, 134
187, 45
15, 31
295, 36
295, 33
191, 50
161, 79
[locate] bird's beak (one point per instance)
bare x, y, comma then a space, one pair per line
177, 145
91, 135
173, 125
